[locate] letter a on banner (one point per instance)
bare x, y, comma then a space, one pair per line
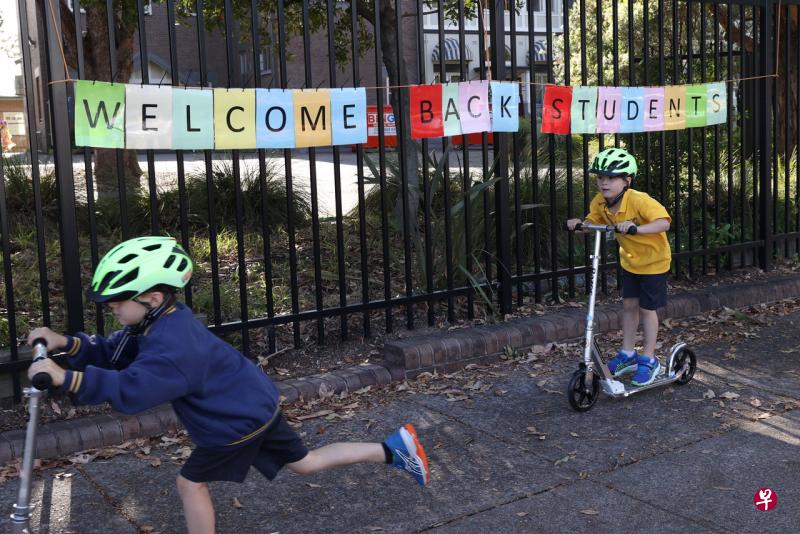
349, 109
556, 109
505, 106
473, 102
148, 116
312, 118
426, 111
234, 118
274, 118
99, 114
192, 119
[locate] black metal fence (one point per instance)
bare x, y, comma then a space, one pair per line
439, 230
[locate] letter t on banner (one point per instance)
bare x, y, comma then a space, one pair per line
556, 109
426, 111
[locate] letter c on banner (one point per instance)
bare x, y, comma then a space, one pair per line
228, 119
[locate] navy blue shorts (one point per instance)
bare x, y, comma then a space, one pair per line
650, 289
268, 452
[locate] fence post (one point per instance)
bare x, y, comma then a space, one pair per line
500, 141
62, 152
767, 51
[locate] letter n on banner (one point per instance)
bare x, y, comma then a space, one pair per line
99, 114
312, 118
556, 109
426, 111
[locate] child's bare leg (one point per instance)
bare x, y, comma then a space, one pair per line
630, 322
197, 506
337, 454
650, 328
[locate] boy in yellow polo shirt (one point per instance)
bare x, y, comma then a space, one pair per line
645, 257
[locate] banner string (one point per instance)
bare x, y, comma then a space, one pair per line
383, 87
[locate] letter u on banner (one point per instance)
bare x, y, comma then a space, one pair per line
274, 118
609, 109
426, 111
556, 110
505, 106
312, 118
234, 118
99, 114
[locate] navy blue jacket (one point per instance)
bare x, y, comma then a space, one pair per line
220, 396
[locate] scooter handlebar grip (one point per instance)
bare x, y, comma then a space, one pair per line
578, 227
631, 231
41, 381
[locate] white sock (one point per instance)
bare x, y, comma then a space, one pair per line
629, 353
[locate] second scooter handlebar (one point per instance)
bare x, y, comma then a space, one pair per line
41, 381
602, 228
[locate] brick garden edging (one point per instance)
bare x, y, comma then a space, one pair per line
407, 358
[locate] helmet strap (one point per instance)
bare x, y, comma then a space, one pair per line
617, 198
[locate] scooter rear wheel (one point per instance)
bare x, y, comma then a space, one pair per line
580, 397
681, 358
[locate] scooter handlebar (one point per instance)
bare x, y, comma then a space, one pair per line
602, 227
41, 381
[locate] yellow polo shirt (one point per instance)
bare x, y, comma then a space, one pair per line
640, 253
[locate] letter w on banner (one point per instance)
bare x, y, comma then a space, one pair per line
556, 109
426, 111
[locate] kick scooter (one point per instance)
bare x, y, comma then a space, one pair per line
20, 519
593, 375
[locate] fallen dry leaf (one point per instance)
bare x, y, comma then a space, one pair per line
590, 512
236, 503
709, 394
155, 462
729, 395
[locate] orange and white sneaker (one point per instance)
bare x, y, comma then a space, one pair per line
408, 454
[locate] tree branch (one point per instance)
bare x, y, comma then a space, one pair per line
733, 31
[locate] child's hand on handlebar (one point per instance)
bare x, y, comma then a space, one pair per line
54, 341
624, 226
572, 223
50, 367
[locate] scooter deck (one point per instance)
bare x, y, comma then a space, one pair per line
616, 388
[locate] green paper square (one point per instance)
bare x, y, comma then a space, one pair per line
99, 114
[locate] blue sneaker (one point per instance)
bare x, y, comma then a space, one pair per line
622, 364
408, 454
648, 370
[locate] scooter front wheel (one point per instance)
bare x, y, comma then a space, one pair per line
581, 397
683, 357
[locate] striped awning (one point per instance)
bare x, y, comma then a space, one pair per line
452, 52
539, 52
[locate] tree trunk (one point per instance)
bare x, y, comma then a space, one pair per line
786, 111
97, 66
398, 75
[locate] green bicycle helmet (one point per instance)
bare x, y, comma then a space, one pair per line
135, 266
614, 162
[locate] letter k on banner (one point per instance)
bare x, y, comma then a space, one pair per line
426, 111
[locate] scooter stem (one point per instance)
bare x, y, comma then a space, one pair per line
22, 509
587, 351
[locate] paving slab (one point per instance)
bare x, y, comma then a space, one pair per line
717, 478
470, 471
582, 506
67, 503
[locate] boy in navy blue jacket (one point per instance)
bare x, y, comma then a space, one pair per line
228, 405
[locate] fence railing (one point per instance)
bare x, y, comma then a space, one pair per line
420, 233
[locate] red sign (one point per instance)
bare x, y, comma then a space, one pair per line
426, 111
556, 109
765, 499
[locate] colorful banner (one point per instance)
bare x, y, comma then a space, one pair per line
584, 110
234, 118
274, 118
505, 106
192, 119
349, 116
451, 118
174, 118
312, 118
100, 114
557, 104
473, 101
148, 117
609, 109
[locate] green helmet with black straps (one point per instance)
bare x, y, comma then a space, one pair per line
614, 162
135, 266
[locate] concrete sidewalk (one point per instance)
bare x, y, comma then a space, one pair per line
670, 460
